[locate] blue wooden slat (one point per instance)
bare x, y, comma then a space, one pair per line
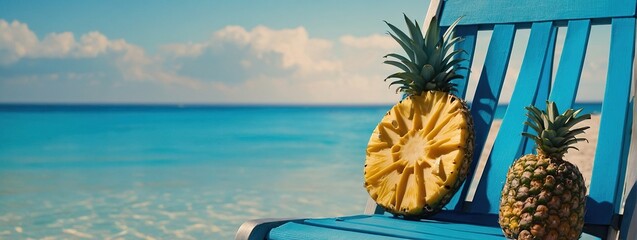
544, 87
409, 229
490, 220
485, 100
386, 227
427, 225
570, 69
507, 144
625, 151
469, 33
295, 231
484, 12
630, 207
608, 156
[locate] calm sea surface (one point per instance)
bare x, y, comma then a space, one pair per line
165, 172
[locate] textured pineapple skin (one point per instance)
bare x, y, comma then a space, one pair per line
542, 198
455, 177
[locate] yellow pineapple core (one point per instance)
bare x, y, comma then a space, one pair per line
419, 153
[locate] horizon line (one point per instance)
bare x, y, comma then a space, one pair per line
166, 104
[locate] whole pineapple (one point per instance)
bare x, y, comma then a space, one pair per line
544, 196
418, 155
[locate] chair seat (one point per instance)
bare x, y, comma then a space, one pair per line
385, 227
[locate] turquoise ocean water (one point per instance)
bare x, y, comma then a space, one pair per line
167, 172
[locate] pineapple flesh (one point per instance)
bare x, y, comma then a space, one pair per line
419, 153
544, 196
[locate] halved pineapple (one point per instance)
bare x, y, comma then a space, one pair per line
419, 154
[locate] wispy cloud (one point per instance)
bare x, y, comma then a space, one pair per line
20, 44
233, 65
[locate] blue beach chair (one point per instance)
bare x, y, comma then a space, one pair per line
612, 193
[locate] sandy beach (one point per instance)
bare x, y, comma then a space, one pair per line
582, 158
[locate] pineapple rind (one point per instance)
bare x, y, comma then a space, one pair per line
542, 198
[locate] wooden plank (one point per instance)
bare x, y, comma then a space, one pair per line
613, 126
259, 228
485, 100
432, 11
426, 225
543, 89
569, 71
623, 167
470, 35
507, 145
394, 227
294, 231
630, 213
630, 196
489, 220
386, 227
505, 11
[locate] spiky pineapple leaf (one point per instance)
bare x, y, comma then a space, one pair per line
406, 47
400, 65
401, 82
406, 75
577, 120
551, 107
452, 64
575, 140
397, 56
415, 32
451, 30
405, 61
532, 136
536, 116
433, 33
574, 132
452, 54
420, 55
546, 121
533, 126
401, 35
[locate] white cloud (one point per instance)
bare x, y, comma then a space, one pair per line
285, 65
16, 40
233, 65
372, 41
54, 45
292, 49
93, 44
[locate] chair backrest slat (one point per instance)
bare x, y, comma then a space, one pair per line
544, 87
507, 144
470, 35
570, 69
605, 183
486, 97
505, 11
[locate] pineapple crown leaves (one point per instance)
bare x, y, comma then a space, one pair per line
430, 63
554, 131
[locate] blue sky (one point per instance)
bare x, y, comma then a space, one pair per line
286, 52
